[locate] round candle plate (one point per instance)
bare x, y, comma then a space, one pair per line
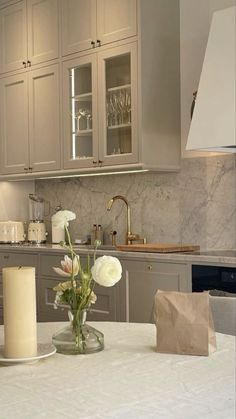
44, 350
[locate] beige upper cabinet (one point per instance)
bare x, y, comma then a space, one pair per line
117, 92
29, 118
121, 101
78, 29
100, 108
28, 34
116, 20
14, 133
92, 23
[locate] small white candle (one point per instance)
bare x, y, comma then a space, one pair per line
19, 311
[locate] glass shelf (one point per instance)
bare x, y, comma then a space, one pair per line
120, 126
85, 97
117, 88
83, 132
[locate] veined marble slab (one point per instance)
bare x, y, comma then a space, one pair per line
196, 205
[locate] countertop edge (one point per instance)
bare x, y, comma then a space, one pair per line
165, 257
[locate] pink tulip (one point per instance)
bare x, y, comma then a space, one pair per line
68, 268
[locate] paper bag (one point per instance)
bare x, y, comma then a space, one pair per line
184, 323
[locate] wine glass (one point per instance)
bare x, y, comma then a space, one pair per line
127, 106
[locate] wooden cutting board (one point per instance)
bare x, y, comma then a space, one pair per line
159, 248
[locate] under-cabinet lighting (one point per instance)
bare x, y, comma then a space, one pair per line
93, 174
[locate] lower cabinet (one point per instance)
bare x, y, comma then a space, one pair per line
107, 306
1, 301
8, 259
141, 281
130, 300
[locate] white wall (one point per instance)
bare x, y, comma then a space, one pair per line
14, 202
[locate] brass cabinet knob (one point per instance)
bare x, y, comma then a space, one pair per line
149, 267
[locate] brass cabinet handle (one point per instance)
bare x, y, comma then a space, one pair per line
24, 64
93, 44
149, 267
95, 162
29, 63
98, 42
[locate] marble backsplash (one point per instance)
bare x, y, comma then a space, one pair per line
196, 205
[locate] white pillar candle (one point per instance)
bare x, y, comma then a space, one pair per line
19, 311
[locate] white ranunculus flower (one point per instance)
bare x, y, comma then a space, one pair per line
62, 218
106, 271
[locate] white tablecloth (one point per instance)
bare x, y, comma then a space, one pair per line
128, 380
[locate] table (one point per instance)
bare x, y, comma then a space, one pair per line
128, 380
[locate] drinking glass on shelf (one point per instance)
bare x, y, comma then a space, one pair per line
80, 117
111, 111
88, 115
127, 106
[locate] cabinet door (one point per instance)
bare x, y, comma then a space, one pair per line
78, 25
143, 279
117, 92
80, 112
43, 30
116, 20
1, 301
106, 307
44, 117
14, 124
17, 259
13, 37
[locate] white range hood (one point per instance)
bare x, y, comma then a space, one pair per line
213, 122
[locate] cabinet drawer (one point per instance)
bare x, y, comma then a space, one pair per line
161, 267
17, 259
47, 262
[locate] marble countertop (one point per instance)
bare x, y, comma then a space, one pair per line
221, 257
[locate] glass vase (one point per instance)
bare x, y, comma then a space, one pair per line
78, 337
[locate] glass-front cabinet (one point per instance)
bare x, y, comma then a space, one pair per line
100, 108
80, 112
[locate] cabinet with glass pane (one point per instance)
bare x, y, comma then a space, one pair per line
100, 108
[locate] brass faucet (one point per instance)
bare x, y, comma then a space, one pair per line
130, 237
